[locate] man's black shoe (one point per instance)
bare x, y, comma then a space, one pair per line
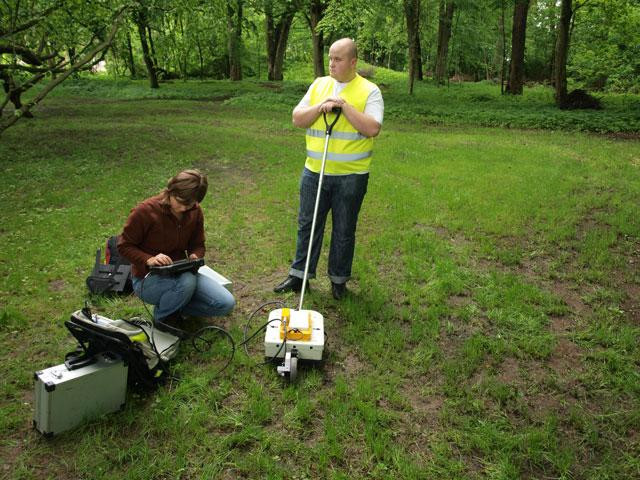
338, 290
290, 284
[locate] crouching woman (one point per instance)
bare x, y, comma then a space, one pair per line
165, 228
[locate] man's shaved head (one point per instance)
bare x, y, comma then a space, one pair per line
348, 46
343, 57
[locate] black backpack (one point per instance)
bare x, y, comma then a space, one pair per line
112, 276
95, 334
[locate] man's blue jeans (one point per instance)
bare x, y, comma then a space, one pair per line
188, 293
343, 195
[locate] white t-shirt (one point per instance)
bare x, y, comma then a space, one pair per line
374, 106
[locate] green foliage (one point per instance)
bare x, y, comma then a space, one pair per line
190, 37
459, 104
482, 104
607, 47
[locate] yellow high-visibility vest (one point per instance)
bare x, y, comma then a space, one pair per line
349, 151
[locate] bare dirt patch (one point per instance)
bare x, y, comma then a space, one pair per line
542, 404
509, 371
426, 407
571, 297
57, 285
460, 301
351, 365
630, 278
631, 305
624, 135
417, 425
342, 359
566, 358
561, 325
272, 86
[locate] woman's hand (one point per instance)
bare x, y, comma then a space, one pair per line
159, 259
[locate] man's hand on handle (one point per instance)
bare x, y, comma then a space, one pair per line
330, 103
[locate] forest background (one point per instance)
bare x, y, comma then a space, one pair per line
588, 45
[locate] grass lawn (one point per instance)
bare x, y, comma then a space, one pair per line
491, 330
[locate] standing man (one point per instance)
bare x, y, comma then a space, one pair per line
346, 169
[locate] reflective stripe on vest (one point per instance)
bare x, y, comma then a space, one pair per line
349, 151
340, 157
337, 135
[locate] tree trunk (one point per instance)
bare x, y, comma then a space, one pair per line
115, 63
183, 52
200, 57
444, 35
278, 66
132, 65
13, 92
317, 38
277, 35
551, 49
154, 57
234, 38
562, 50
141, 22
72, 55
412, 16
503, 36
174, 53
72, 59
518, 37
418, 58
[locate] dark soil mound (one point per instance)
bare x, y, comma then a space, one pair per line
580, 99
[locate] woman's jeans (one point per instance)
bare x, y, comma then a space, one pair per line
188, 293
343, 195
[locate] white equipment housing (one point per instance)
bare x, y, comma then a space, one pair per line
304, 334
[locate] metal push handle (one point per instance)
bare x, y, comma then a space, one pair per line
329, 128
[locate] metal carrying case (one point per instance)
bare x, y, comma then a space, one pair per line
67, 394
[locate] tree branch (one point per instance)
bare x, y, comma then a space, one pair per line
77, 66
27, 68
27, 55
22, 87
32, 22
577, 6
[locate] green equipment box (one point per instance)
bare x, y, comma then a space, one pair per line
65, 397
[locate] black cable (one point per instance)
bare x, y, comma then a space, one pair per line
270, 360
228, 335
262, 327
151, 339
162, 364
140, 297
246, 326
256, 332
181, 333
